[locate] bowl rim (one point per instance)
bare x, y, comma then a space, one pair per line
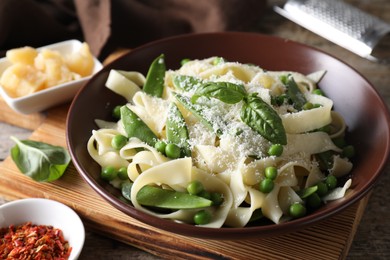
226, 232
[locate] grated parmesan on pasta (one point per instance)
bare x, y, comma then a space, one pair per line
231, 157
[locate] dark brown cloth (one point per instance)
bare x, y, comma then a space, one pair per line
107, 25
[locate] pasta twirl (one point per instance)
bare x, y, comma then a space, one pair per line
232, 115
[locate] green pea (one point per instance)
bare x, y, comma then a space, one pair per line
297, 210
195, 187
271, 172
317, 105
172, 151
218, 60
314, 201
160, 146
307, 106
184, 61
202, 217
116, 112
275, 150
348, 151
318, 92
118, 141
331, 182
122, 173
216, 198
266, 185
322, 189
108, 173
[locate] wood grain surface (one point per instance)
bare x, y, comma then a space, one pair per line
372, 237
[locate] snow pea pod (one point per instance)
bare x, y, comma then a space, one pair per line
135, 127
198, 111
186, 83
169, 199
154, 84
177, 131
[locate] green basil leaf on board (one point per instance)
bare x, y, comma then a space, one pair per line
262, 118
227, 92
40, 161
154, 84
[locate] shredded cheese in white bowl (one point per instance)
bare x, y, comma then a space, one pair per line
32, 80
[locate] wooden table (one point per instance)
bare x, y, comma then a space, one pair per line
372, 239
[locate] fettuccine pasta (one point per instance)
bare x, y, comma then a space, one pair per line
228, 119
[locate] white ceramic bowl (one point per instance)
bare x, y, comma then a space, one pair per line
46, 212
54, 95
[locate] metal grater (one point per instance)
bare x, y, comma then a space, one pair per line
340, 23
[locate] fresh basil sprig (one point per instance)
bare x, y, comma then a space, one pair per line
40, 161
263, 119
227, 92
256, 113
293, 92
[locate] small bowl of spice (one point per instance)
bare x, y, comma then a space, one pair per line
36, 228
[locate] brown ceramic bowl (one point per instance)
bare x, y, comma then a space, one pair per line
354, 97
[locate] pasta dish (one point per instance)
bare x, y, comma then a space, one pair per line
219, 143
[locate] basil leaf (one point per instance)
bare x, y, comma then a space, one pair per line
293, 92
263, 119
40, 161
135, 127
177, 131
186, 83
227, 92
199, 112
154, 83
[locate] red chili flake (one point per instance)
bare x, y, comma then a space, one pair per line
33, 242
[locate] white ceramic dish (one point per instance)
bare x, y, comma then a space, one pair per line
46, 212
52, 96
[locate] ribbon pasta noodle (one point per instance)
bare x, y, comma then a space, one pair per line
229, 156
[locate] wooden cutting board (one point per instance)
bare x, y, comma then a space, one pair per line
330, 239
